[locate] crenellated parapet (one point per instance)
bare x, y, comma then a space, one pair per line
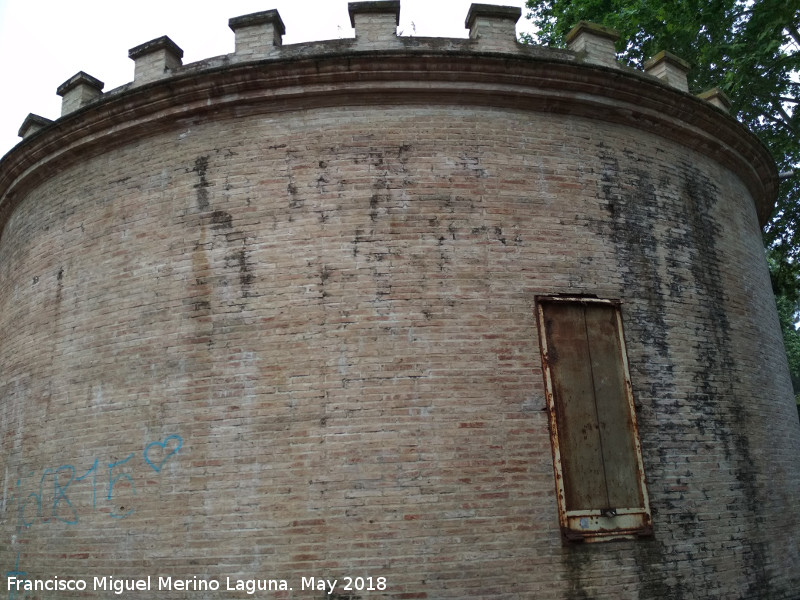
584, 79
258, 36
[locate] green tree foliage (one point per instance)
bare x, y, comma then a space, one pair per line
750, 50
784, 277
791, 339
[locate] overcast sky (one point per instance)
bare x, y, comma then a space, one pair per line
45, 42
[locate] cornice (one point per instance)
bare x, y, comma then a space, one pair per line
559, 85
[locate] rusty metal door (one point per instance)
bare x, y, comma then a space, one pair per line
596, 450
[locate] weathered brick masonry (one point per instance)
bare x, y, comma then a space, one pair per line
271, 316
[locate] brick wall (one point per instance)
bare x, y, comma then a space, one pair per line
284, 344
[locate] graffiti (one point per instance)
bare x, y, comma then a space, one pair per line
163, 446
112, 482
15, 573
52, 501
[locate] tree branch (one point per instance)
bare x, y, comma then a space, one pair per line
786, 118
795, 34
778, 121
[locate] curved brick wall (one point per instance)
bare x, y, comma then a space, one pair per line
246, 340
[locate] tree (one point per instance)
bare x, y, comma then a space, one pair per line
784, 276
750, 49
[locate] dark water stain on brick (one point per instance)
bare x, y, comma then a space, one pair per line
663, 265
238, 259
358, 238
631, 202
498, 235
59, 291
202, 306
56, 316
373, 207
471, 163
295, 200
630, 197
577, 563
201, 168
653, 560
221, 220
200, 288
712, 338
716, 381
388, 168
324, 275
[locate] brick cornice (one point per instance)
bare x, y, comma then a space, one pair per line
536, 83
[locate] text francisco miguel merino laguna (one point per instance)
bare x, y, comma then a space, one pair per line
251, 586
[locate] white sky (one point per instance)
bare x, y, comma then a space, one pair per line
45, 42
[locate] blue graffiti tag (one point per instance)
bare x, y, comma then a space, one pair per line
62, 508
163, 445
15, 573
59, 493
112, 480
93, 470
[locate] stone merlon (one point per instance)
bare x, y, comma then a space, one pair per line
492, 11
670, 69
78, 91
259, 34
259, 18
595, 43
375, 22
155, 59
495, 27
716, 97
32, 124
382, 7
161, 43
